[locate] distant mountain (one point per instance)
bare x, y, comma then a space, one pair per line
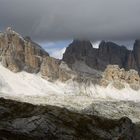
108, 53
80, 56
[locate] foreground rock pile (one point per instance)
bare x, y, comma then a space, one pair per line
22, 121
119, 77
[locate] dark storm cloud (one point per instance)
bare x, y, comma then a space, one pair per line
66, 19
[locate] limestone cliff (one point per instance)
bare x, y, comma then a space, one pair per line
18, 53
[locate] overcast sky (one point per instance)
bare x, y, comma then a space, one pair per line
55, 20
67, 19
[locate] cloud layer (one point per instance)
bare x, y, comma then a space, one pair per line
63, 19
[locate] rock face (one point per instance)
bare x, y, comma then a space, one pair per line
53, 69
81, 51
17, 53
107, 53
130, 61
28, 122
136, 51
111, 53
119, 77
50, 68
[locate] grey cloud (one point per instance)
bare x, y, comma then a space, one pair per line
67, 19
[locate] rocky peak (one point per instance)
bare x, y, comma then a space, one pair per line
110, 47
111, 53
17, 53
85, 44
77, 50
10, 32
107, 53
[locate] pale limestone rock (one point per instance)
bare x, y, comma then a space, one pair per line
17, 53
53, 69
50, 68
65, 73
119, 77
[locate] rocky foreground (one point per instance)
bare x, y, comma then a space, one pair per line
22, 121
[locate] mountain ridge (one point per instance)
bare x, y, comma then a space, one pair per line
107, 53
81, 62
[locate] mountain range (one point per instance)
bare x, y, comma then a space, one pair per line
81, 62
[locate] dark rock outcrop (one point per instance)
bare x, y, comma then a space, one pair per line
130, 61
107, 53
17, 53
111, 53
77, 50
22, 121
136, 52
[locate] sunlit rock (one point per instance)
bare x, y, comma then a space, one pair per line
119, 77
